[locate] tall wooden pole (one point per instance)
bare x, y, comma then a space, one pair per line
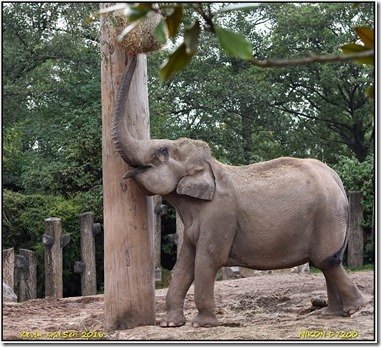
128, 218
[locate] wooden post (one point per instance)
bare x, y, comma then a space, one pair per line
179, 234
128, 214
9, 267
159, 211
356, 233
54, 241
86, 267
27, 262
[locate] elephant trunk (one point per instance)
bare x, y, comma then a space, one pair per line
133, 151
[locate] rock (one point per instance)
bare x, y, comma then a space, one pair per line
305, 268
8, 294
319, 302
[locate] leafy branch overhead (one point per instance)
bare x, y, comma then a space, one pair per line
232, 43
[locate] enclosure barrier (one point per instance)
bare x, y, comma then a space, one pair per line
20, 270
54, 241
86, 267
20, 273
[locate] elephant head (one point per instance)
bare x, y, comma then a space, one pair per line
161, 166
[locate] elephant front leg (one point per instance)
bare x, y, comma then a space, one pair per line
181, 281
205, 274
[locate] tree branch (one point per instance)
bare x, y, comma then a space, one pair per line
312, 58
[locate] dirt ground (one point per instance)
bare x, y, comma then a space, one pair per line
268, 307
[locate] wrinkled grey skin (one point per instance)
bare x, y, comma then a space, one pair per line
270, 215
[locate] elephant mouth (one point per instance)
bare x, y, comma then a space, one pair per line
136, 171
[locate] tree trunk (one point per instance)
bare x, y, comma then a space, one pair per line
128, 220
356, 233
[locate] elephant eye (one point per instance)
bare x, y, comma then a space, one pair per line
164, 151
163, 154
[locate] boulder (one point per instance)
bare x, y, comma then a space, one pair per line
8, 294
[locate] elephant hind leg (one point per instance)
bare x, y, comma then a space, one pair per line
344, 297
335, 303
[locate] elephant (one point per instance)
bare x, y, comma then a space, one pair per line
268, 215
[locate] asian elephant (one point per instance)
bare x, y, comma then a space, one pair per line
269, 215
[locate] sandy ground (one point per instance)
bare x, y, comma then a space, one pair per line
268, 307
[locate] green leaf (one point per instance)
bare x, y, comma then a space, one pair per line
366, 35
191, 37
89, 19
234, 44
369, 92
134, 13
161, 32
175, 62
353, 48
174, 20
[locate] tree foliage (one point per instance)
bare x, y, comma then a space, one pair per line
208, 16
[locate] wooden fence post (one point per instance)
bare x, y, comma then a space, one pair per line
26, 262
356, 233
9, 267
54, 241
86, 267
179, 234
159, 211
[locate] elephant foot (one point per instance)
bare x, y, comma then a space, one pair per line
205, 320
173, 319
354, 306
344, 311
333, 311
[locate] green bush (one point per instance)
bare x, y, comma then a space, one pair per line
24, 224
358, 176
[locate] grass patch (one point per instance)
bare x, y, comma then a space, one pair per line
367, 267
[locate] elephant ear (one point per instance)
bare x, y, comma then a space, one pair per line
201, 184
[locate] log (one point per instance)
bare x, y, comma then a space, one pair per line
128, 214
356, 233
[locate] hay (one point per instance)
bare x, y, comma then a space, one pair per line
142, 38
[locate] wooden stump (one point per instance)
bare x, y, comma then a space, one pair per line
356, 233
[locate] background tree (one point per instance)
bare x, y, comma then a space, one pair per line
51, 126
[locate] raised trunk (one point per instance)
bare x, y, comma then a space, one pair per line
133, 151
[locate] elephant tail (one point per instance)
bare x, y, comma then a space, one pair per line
337, 258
